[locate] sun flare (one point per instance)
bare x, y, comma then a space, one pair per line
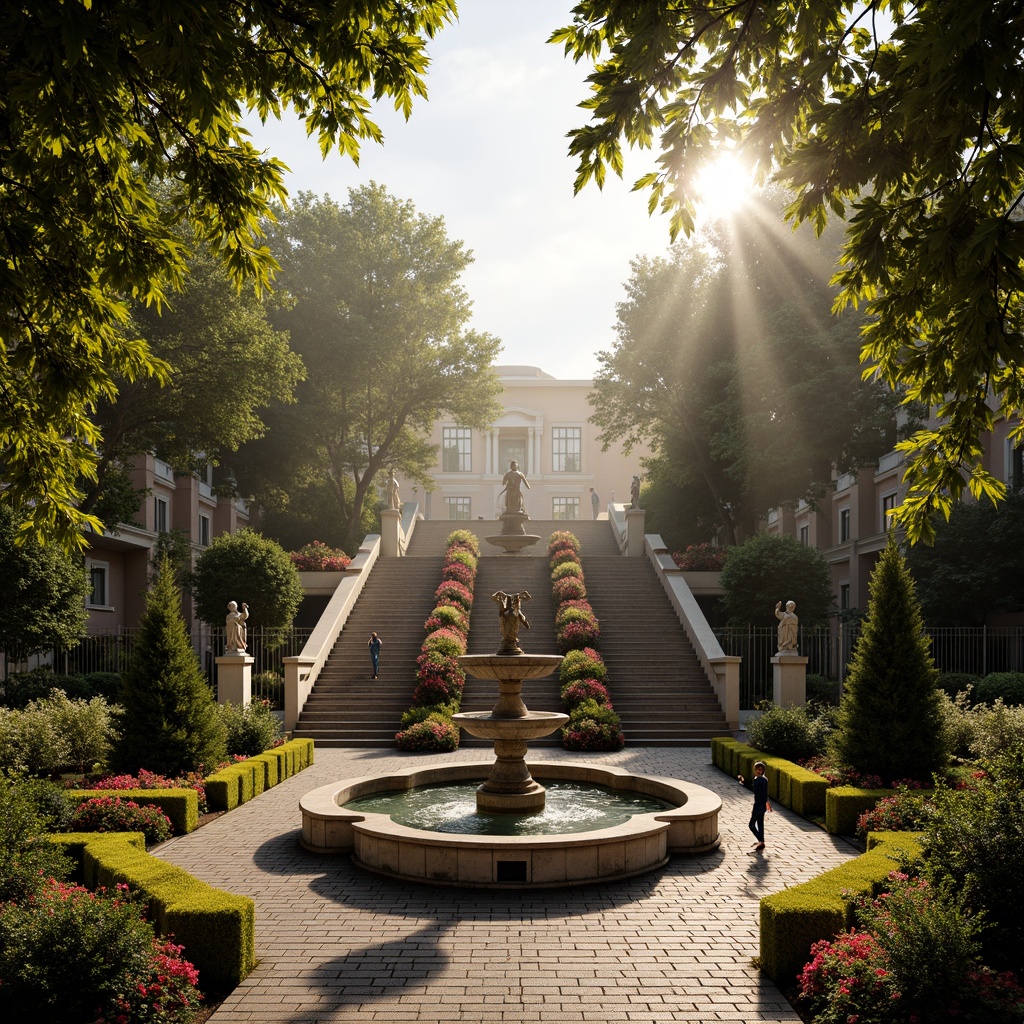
722, 187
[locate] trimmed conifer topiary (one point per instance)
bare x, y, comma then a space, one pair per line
170, 721
890, 719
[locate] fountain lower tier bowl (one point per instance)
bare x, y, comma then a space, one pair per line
640, 844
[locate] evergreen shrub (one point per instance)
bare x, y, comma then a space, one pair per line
566, 569
794, 733
1005, 686
593, 727
583, 664
250, 729
953, 683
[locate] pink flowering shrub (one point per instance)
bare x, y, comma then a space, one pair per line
113, 814
436, 734
574, 636
701, 558
457, 572
564, 569
906, 810
461, 556
574, 611
448, 641
585, 689
915, 957
562, 539
569, 588
839, 775
463, 539
563, 555
68, 955
584, 664
455, 593
144, 779
318, 557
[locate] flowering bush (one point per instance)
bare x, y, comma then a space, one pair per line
251, 728
592, 727
585, 664
318, 557
436, 734
460, 556
465, 539
454, 593
574, 611
113, 814
459, 573
566, 569
904, 811
840, 775
574, 636
68, 955
151, 780
562, 539
701, 558
568, 588
585, 689
447, 616
560, 556
435, 689
447, 641
916, 958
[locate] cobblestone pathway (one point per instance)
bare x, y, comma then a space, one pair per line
338, 944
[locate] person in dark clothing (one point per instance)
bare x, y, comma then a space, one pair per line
760, 786
374, 645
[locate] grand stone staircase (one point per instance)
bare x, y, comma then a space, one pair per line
656, 683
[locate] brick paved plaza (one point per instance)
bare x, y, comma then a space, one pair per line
338, 944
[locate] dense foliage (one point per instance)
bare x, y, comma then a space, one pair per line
904, 119
768, 569
102, 105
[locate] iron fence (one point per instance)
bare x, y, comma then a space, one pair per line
974, 650
110, 651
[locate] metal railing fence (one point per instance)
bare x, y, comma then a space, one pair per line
109, 652
976, 650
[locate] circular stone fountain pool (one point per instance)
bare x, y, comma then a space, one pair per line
641, 843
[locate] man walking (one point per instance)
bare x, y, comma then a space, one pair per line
374, 645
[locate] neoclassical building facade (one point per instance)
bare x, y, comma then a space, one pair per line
544, 426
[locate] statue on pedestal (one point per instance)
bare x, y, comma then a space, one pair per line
235, 626
788, 623
513, 482
391, 491
634, 493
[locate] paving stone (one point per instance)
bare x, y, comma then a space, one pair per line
337, 944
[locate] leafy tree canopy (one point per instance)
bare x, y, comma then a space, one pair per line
729, 365
975, 567
102, 102
908, 119
44, 593
246, 567
379, 318
768, 569
227, 363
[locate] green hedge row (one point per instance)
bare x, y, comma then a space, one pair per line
788, 784
794, 919
217, 928
180, 805
239, 783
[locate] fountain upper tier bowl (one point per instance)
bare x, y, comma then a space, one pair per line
642, 843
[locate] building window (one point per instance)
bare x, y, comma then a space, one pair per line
805, 535
99, 594
565, 508
458, 508
456, 450
565, 449
844, 525
204, 530
888, 504
161, 515
1016, 474
844, 597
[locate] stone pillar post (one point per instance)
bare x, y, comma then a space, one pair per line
390, 532
789, 678
234, 678
635, 532
488, 436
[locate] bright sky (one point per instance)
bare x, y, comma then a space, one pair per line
488, 152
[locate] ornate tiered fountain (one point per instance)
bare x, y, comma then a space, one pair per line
370, 816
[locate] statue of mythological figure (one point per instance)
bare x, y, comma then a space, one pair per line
511, 617
788, 623
514, 482
235, 625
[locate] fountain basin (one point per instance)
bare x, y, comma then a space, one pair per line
641, 844
488, 726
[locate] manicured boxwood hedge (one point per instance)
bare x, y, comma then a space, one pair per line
789, 784
239, 783
216, 928
794, 919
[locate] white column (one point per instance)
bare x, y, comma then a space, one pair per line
530, 450
538, 434
488, 436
